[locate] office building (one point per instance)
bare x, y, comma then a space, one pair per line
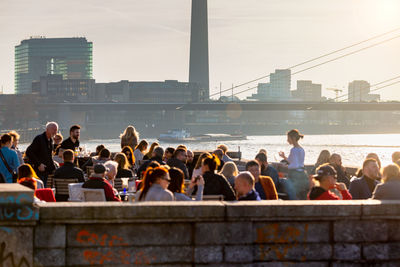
307, 91
36, 57
278, 89
359, 91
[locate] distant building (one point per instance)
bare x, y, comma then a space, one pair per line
57, 89
36, 57
278, 89
307, 91
359, 91
169, 91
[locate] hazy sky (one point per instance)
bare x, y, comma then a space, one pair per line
149, 39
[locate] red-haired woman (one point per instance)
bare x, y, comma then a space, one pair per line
215, 184
155, 184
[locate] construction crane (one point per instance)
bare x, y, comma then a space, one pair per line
337, 91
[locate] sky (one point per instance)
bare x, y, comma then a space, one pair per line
148, 40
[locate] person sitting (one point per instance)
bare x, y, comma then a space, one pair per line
323, 158
326, 177
149, 154
266, 169
230, 171
127, 150
362, 187
179, 161
335, 161
215, 184
59, 157
244, 186
26, 171
263, 184
72, 142
112, 168
197, 168
224, 149
140, 152
155, 184
9, 161
396, 158
390, 188
177, 184
98, 181
218, 152
58, 138
94, 156
123, 170
69, 170
169, 152
31, 183
103, 157
157, 156
190, 163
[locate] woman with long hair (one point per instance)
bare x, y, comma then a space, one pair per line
230, 171
129, 137
178, 183
390, 188
155, 184
322, 159
123, 170
297, 173
149, 154
197, 168
25, 171
139, 152
127, 150
215, 184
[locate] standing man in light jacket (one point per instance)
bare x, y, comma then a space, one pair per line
40, 152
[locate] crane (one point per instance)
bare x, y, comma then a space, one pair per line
337, 91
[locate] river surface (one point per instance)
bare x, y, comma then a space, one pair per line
352, 148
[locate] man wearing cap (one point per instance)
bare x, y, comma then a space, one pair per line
98, 181
326, 177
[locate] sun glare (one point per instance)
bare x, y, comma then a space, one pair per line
387, 11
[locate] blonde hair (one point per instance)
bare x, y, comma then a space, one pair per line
152, 147
129, 133
391, 172
229, 170
122, 161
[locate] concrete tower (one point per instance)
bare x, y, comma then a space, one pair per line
198, 66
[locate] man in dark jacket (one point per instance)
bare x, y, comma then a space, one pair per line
244, 186
40, 152
157, 156
68, 170
362, 188
179, 161
336, 161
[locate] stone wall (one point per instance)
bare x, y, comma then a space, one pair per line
268, 233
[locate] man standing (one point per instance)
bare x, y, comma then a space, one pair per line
40, 152
72, 142
263, 184
362, 188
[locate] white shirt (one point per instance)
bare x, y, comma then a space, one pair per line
296, 158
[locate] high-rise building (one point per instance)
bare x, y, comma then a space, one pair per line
359, 91
36, 57
278, 89
198, 65
307, 91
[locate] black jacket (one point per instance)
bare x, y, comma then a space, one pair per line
174, 162
143, 167
40, 151
68, 144
216, 184
124, 173
68, 170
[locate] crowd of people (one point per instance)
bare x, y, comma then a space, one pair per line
178, 174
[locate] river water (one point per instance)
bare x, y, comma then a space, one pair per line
352, 148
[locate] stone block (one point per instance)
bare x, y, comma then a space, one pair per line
113, 212
50, 236
300, 210
16, 204
381, 209
15, 194
239, 254
386, 251
49, 257
346, 264
347, 252
138, 256
208, 254
16, 246
293, 232
360, 231
292, 264
114, 235
290, 252
394, 230
223, 233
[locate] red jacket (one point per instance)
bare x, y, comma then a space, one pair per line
318, 193
98, 183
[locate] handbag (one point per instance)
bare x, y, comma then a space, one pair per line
13, 173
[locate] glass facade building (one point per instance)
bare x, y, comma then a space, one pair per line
36, 57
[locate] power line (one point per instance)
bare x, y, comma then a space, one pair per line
328, 61
308, 61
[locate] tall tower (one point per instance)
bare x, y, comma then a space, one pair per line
198, 66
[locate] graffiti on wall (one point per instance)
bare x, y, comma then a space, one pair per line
17, 210
8, 259
279, 240
118, 255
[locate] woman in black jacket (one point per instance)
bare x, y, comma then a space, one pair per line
215, 184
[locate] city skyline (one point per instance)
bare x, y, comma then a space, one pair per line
261, 36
